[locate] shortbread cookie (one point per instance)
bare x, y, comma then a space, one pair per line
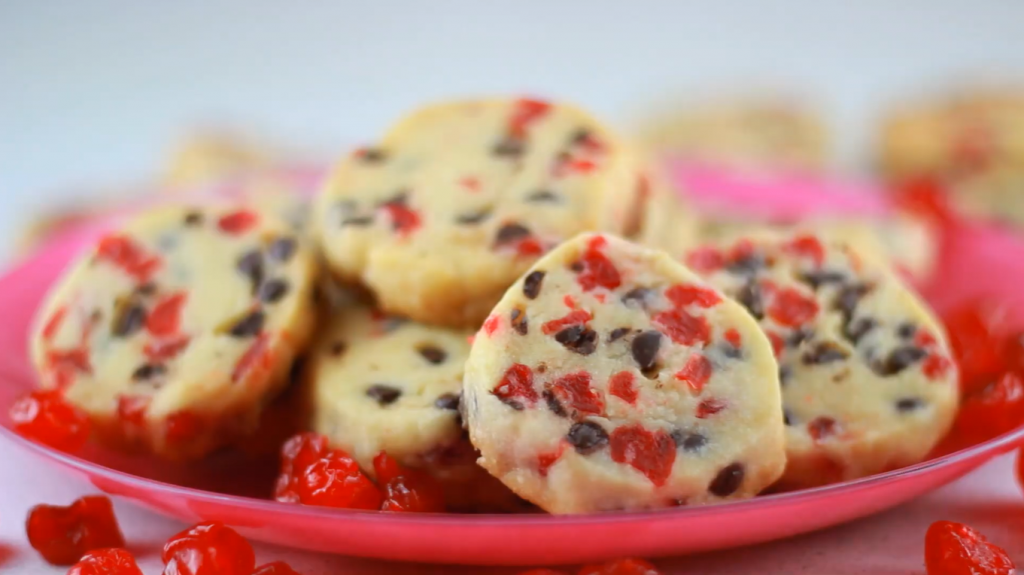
458, 199
867, 381
611, 377
172, 332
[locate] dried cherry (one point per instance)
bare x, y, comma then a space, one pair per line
208, 549
62, 535
955, 549
46, 417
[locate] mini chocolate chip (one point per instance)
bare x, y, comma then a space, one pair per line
272, 291
587, 437
541, 368
383, 394
532, 284
799, 336
295, 371
473, 218
194, 218
433, 354
148, 371
147, 289
553, 404
248, 326
785, 373
576, 266
282, 249
727, 481
372, 155
858, 328
824, 352
637, 297
899, 359
731, 351
906, 330
400, 198
787, 417
338, 348
542, 196
448, 401
849, 296
519, 321
645, 350
747, 265
908, 404
818, 278
689, 440
578, 338
618, 333
251, 266
357, 221
509, 148
750, 297
510, 232
128, 319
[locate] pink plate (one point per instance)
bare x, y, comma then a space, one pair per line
223, 488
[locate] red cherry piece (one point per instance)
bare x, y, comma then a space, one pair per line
53, 324
123, 252
275, 568
62, 535
597, 270
709, 407
257, 358
926, 197
705, 260
165, 319
687, 294
413, 492
131, 409
516, 386
955, 549
821, 427
778, 344
529, 246
807, 247
732, 335
164, 350
546, 460
525, 112
297, 454
992, 411
336, 481
649, 452
208, 549
45, 417
695, 372
574, 394
976, 345
106, 562
387, 468
470, 183
791, 308
621, 567
491, 324
404, 220
574, 317
622, 385
683, 328
935, 366
65, 365
237, 223
182, 427
924, 338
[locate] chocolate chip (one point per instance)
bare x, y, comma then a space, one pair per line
473, 218
273, 290
542, 196
908, 404
519, 321
383, 394
338, 348
357, 221
509, 148
146, 290
282, 249
750, 297
148, 371
746, 265
645, 350
799, 336
532, 284
731, 351
785, 373
898, 360
857, 329
248, 326
400, 198
295, 372
580, 136
906, 330
689, 440
618, 333
787, 417
824, 352
251, 266
193, 218
576, 266
849, 296
587, 437
509, 233
637, 297
553, 404
128, 319
727, 481
433, 354
578, 338
818, 278
541, 368
372, 155
448, 401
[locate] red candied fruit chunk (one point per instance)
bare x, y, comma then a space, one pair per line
106, 562
258, 358
163, 350
808, 247
709, 407
1013, 352
66, 364
237, 223
124, 253
131, 409
572, 318
955, 549
491, 324
791, 308
336, 481
546, 460
407, 490
62, 535
992, 411
525, 112
649, 452
683, 328
687, 294
182, 427
404, 220
597, 270
778, 344
574, 394
975, 334
45, 416
275, 568
705, 260
53, 324
621, 567
542, 572
516, 386
622, 385
208, 549
695, 372
297, 454
936, 366
165, 319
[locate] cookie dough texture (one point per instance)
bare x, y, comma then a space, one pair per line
867, 381
458, 199
610, 377
174, 331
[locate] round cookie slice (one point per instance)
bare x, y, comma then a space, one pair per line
380, 383
173, 331
458, 199
867, 381
611, 377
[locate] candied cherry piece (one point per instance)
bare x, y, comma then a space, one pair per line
336, 481
992, 411
45, 417
275, 568
926, 197
62, 535
621, 567
407, 490
106, 562
297, 454
956, 549
208, 549
974, 334
1013, 352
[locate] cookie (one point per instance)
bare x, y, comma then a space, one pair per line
381, 383
210, 155
458, 199
667, 222
173, 331
867, 381
611, 377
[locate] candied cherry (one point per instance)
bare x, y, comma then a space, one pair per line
956, 549
926, 197
407, 490
45, 417
335, 480
208, 549
975, 336
106, 562
275, 568
621, 567
62, 535
297, 454
992, 411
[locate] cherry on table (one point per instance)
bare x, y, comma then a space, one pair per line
46, 417
407, 490
955, 549
992, 411
208, 549
106, 562
336, 481
62, 535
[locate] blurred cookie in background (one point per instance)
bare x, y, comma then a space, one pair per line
210, 154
